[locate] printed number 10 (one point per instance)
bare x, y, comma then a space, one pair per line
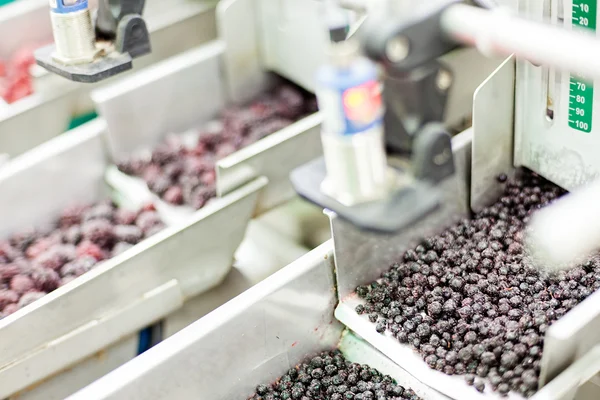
584, 7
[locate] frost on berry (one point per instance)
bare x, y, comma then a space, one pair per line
45, 279
29, 298
10, 309
8, 297
98, 231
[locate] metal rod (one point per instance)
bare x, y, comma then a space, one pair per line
497, 32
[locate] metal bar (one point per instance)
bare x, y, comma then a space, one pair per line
496, 32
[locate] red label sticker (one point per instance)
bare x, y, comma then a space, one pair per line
362, 104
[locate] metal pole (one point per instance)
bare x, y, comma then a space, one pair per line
496, 32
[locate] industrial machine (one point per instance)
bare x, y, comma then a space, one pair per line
89, 52
389, 177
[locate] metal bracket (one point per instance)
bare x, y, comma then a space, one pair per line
399, 210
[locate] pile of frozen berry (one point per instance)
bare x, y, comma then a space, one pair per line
470, 302
15, 80
182, 174
330, 376
37, 261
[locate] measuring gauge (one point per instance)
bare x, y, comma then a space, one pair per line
581, 91
557, 128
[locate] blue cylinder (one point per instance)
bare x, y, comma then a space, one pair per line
349, 97
67, 7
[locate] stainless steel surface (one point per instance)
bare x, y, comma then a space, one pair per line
46, 114
125, 293
15, 17
571, 338
362, 256
293, 38
252, 339
74, 37
493, 126
273, 157
263, 252
172, 96
575, 382
69, 381
238, 27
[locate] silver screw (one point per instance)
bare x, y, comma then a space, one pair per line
443, 80
397, 48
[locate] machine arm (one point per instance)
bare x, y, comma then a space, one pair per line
89, 52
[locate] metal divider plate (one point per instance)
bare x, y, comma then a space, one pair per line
172, 96
492, 134
273, 157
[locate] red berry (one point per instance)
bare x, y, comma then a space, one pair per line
72, 215
87, 248
67, 279
98, 231
125, 217
209, 178
147, 220
29, 298
128, 233
57, 256
151, 172
21, 284
10, 309
39, 247
78, 267
121, 247
148, 207
8, 297
8, 271
174, 195
45, 279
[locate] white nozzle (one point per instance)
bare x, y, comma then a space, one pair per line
567, 232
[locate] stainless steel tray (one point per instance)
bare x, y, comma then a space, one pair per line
123, 294
570, 344
187, 91
252, 339
45, 114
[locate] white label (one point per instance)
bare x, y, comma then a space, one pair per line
330, 105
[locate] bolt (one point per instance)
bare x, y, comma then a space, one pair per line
443, 80
442, 158
397, 48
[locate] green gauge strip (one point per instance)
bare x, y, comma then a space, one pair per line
581, 91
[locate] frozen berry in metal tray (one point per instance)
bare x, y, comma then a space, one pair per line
470, 302
182, 175
330, 376
34, 262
